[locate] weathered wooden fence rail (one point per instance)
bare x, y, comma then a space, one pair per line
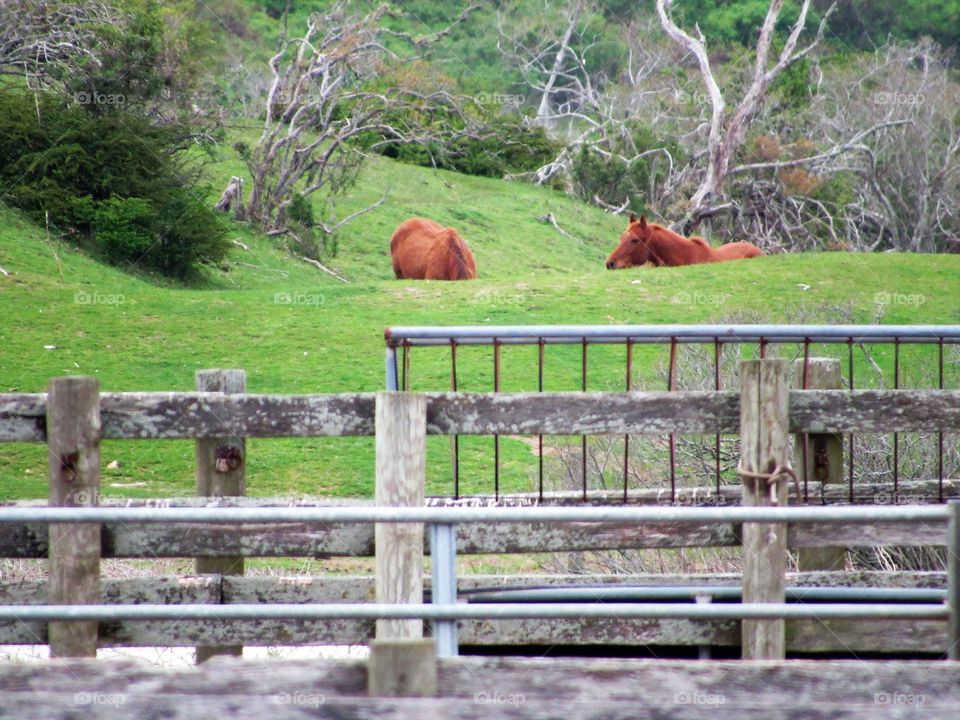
191, 415
225, 419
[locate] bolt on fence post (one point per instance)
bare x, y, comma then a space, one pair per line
221, 472
443, 556
73, 448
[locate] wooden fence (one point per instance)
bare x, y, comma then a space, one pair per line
73, 417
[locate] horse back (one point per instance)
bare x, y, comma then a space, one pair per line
738, 251
422, 249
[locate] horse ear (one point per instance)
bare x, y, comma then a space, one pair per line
633, 218
643, 221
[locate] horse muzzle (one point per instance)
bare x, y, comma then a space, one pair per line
611, 264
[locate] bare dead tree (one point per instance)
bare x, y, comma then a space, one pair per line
322, 99
42, 40
590, 112
729, 130
911, 177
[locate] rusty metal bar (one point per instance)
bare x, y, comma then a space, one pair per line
716, 384
805, 437
626, 438
850, 366
496, 438
456, 438
896, 436
540, 354
583, 438
940, 434
671, 386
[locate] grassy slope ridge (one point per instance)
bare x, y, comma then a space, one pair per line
297, 330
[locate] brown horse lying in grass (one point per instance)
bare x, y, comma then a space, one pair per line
645, 242
424, 250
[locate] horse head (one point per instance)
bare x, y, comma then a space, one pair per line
634, 247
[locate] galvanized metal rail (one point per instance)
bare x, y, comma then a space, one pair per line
445, 611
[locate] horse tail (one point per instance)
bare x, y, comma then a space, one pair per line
460, 267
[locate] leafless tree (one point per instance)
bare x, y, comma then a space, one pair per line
589, 111
322, 98
43, 40
879, 165
911, 194
729, 130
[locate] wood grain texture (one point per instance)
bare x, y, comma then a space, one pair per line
190, 415
73, 419
764, 446
401, 472
172, 540
221, 464
483, 688
819, 460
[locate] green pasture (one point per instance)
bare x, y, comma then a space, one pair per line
295, 329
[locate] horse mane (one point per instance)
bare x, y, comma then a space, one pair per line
460, 269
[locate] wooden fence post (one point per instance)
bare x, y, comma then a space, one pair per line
402, 662
73, 448
824, 461
221, 472
764, 446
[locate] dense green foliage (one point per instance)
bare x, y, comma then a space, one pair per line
611, 176
497, 146
856, 24
112, 181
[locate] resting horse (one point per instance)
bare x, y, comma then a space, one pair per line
424, 250
645, 242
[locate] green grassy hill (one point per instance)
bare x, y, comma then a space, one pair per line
136, 335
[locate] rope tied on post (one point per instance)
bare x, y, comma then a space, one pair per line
771, 479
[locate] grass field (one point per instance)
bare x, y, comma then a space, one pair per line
296, 330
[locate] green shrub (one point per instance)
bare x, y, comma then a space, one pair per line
615, 180
124, 228
501, 144
114, 182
